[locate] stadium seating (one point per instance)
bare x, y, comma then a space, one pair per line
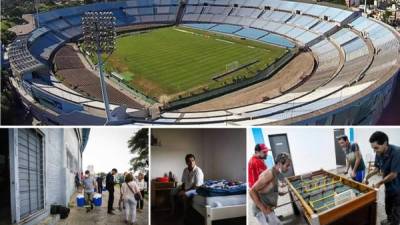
343, 57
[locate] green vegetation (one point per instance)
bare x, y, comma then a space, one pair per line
178, 62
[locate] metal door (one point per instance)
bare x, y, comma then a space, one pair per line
279, 143
30, 172
340, 156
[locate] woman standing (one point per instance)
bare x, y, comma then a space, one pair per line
130, 195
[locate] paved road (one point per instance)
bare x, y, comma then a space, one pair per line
99, 216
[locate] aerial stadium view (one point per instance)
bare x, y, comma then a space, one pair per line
201, 62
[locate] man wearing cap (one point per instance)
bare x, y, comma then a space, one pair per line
256, 164
387, 160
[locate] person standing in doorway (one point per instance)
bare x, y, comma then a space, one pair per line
354, 159
257, 163
110, 183
387, 160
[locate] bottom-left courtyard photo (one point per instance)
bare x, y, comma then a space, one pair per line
74, 176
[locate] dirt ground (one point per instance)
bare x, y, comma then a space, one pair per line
288, 77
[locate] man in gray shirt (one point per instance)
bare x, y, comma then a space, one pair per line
89, 186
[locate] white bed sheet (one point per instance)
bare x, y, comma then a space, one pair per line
220, 201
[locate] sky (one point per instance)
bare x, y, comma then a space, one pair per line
107, 148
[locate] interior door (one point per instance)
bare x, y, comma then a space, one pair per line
340, 156
279, 143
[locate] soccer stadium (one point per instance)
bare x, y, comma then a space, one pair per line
219, 62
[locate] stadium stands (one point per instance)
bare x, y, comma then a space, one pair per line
350, 59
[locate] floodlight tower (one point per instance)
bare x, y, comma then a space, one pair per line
99, 37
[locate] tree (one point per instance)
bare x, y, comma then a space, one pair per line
139, 145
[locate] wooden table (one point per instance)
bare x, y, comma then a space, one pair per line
160, 195
360, 210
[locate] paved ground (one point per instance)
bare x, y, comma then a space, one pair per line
26, 28
291, 219
99, 216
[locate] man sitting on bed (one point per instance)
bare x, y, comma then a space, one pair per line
265, 191
192, 178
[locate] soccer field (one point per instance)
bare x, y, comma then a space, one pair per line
177, 60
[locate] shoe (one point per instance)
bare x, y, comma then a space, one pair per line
91, 206
385, 222
111, 213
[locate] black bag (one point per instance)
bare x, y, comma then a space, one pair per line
64, 212
137, 196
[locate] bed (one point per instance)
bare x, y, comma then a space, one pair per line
220, 199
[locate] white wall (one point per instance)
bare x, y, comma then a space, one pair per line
174, 145
313, 148
225, 153
220, 153
362, 135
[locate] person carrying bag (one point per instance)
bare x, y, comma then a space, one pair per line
130, 195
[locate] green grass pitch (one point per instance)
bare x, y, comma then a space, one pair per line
175, 60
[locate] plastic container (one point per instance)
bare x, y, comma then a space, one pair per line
97, 200
80, 200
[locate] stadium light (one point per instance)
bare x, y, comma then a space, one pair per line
99, 37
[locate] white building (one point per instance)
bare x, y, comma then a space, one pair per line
42, 164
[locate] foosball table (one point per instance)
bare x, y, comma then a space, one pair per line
325, 198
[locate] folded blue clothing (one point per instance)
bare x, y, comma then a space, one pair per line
212, 188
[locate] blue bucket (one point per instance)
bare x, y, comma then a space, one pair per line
80, 200
97, 200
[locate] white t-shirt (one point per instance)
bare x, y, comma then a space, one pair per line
126, 192
192, 178
141, 184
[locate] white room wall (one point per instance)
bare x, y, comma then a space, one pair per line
219, 152
225, 153
362, 135
311, 148
174, 145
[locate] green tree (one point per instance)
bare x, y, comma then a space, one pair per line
139, 145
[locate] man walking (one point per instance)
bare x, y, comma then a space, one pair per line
256, 164
110, 188
89, 186
354, 159
387, 160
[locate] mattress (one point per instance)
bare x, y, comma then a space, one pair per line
220, 201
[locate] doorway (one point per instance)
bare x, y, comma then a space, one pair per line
5, 205
279, 143
340, 156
